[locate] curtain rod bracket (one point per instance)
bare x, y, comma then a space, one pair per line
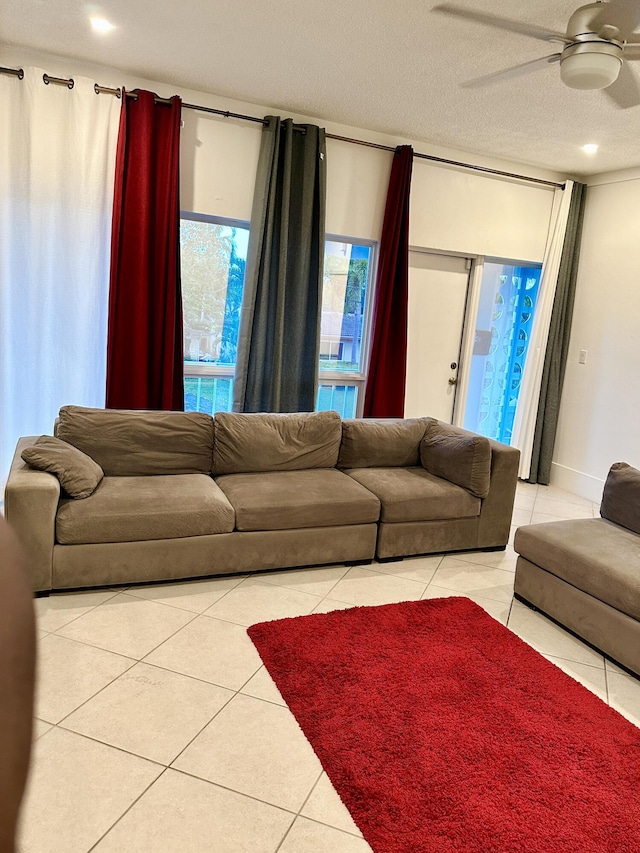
59, 81
13, 72
99, 90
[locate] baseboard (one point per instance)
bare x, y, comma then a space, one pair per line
577, 482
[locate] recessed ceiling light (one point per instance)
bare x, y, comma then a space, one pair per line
590, 148
101, 25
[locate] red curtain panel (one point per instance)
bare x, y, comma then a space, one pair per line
144, 344
384, 396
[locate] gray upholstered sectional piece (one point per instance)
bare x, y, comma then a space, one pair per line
422, 513
186, 495
585, 573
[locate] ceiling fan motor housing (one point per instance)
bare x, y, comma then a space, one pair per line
592, 60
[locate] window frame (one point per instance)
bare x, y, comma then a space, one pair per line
194, 370
352, 377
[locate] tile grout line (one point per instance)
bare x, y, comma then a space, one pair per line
88, 645
232, 790
304, 802
199, 732
108, 745
128, 809
606, 683
93, 696
75, 618
94, 646
117, 678
294, 814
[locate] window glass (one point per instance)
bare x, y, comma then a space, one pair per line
338, 398
208, 394
213, 258
344, 325
344, 296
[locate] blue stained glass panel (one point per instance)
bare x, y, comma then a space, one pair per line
506, 309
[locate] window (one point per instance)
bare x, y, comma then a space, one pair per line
346, 291
213, 254
213, 258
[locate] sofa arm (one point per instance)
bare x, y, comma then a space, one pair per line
30, 505
497, 507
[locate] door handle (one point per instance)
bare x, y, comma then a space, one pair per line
453, 380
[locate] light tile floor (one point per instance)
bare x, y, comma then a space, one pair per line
158, 728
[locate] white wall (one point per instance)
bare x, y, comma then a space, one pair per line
207, 145
478, 214
600, 408
451, 209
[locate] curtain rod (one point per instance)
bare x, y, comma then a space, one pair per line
106, 90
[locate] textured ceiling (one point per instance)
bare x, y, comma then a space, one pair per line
393, 67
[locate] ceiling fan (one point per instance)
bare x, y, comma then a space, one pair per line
599, 38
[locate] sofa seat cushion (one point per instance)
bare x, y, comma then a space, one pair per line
592, 554
129, 509
285, 500
413, 494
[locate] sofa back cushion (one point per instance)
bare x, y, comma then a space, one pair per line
247, 443
136, 443
460, 457
381, 443
621, 497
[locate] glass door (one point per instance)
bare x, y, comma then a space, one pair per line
506, 306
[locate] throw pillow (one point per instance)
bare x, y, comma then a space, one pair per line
79, 475
463, 459
621, 496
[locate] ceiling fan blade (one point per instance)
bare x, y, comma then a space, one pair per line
623, 14
631, 50
500, 23
625, 92
510, 73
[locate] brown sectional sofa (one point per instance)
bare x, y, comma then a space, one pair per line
585, 573
183, 495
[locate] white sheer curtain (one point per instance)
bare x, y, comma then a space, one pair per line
527, 407
57, 160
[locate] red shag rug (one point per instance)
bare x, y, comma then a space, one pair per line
443, 731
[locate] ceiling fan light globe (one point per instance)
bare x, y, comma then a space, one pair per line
590, 70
